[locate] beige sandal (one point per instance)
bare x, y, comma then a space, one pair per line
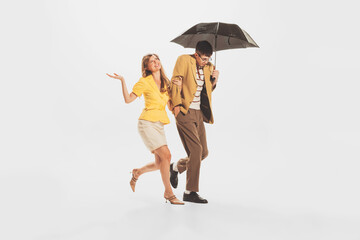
173, 200
133, 181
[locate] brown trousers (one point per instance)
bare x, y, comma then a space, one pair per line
193, 136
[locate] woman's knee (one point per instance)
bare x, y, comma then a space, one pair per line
164, 154
157, 161
167, 155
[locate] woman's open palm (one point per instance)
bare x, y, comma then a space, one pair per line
116, 76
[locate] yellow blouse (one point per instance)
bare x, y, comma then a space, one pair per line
155, 101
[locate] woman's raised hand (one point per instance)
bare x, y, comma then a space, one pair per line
115, 76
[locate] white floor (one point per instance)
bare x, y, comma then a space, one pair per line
43, 208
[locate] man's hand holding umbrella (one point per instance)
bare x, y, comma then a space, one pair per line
214, 77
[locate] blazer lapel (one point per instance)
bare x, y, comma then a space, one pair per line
206, 73
155, 87
193, 68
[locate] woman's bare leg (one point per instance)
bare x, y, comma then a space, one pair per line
147, 168
163, 158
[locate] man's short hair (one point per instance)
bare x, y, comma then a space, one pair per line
204, 48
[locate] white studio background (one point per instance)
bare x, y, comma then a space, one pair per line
284, 149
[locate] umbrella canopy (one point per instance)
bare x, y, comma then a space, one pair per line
221, 36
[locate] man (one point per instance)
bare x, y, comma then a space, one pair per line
192, 108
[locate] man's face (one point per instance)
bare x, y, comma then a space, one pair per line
201, 60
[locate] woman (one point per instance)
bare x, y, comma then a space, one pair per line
154, 85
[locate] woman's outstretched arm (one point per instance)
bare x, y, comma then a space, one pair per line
127, 97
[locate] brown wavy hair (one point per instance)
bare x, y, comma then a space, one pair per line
165, 84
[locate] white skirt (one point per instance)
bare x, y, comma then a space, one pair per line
152, 133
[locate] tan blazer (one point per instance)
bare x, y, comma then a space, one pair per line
185, 67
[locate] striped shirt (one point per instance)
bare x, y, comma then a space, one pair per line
195, 104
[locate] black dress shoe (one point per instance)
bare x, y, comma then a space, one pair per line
173, 177
194, 197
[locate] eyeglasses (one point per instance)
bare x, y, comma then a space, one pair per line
204, 59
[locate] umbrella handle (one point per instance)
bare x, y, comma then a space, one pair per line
215, 60
211, 77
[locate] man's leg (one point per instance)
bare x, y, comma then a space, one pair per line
189, 137
202, 135
188, 127
180, 166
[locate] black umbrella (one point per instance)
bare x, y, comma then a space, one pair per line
221, 36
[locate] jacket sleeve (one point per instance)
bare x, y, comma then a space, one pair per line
139, 87
175, 93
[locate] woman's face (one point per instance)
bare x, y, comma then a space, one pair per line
154, 64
